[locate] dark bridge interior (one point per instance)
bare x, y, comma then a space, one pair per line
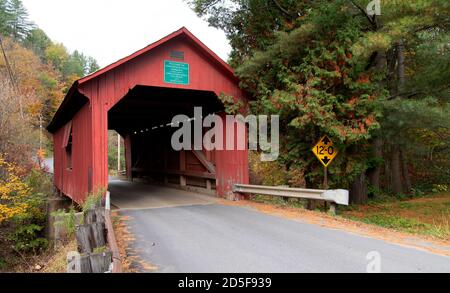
143, 118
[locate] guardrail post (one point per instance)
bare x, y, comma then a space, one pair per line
333, 209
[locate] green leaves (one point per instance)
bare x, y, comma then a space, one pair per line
14, 20
334, 71
27, 238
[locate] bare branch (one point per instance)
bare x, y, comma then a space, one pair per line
281, 8
371, 20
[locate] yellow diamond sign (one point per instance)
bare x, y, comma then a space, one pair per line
325, 151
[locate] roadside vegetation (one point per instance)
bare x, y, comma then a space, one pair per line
424, 215
23, 215
113, 153
377, 85
35, 74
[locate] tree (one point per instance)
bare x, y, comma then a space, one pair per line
310, 78
92, 65
327, 67
394, 41
249, 24
5, 18
76, 65
38, 41
14, 20
56, 54
13, 191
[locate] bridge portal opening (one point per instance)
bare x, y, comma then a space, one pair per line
143, 118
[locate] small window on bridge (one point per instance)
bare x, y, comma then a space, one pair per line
69, 155
68, 146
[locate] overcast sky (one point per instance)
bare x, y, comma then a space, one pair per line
112, 29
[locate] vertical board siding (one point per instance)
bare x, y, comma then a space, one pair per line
74, 183
90, 124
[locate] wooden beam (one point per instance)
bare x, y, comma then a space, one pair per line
202, 158
205, 175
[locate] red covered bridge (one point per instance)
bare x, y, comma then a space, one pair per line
131, 96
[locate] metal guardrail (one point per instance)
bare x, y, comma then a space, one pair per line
338, 196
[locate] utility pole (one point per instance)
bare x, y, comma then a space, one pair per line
40, 132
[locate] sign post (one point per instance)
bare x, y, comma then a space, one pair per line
325, 152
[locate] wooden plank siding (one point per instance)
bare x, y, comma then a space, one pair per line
109, 86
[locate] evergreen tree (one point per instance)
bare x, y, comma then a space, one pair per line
38, 41
92, 65
18, 23
372, 83
5, 18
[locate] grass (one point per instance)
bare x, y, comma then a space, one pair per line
429, 215
424, 215
57, 261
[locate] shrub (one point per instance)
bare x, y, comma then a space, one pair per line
22, 205
266, 173
13, 192
439, 188
27, 238
93, 200
66, 220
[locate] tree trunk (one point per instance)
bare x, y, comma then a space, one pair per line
391, 74
358, 190
387, 178
396, 171
405, 173
381, 63
377, 153
401, 67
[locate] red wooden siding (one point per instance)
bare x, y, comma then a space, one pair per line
107, 87
75, 182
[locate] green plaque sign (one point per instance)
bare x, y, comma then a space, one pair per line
176, 72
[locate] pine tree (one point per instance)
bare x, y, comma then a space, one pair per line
19, 23
5, 18
372, 83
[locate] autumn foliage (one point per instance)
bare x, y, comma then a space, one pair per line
13, 191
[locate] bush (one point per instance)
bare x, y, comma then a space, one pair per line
23, 205
66, 220
27, 238
93, 200
266, 173
439, 188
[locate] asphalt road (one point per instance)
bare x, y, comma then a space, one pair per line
218, 238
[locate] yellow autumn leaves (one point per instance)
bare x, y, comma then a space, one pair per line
13, 191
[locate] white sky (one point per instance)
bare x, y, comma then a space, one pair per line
112, 29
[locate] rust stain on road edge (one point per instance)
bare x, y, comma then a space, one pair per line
429, 244
131, 262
